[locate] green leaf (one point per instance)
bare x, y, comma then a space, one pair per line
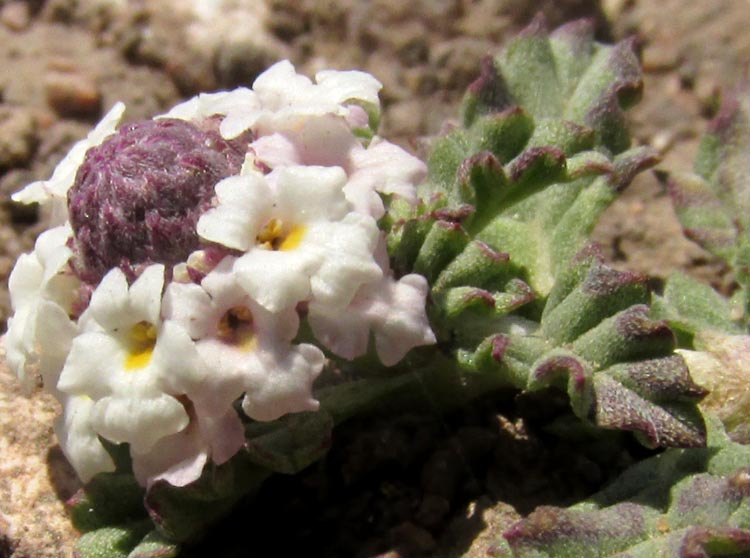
691, 307
112, 542
154, 545
503, 227
680, 504
291, 443
598, 342
108, 499
703, 216
183, 514
713, 205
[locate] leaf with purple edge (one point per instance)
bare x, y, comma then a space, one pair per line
598, 343
690, 503
542, 152
691, 307
713, 204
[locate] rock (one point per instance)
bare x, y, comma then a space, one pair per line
238, 63
18, 137
403, 119
16, 17
34, 513
662, 56
409, 40
72, 94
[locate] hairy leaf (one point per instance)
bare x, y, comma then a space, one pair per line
690, 503
502, 234
713, 204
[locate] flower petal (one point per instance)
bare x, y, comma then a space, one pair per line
93, 362
190, 306
399, 318
386, 168
139, 418
145, 295
275, 279
350, 85
79, 441
306, 194
180, 458
285, 383
243, 205
109, 303
346, 260
209, 104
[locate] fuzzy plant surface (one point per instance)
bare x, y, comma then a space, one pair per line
224, 284
501, 233
683, 503
690, 503
713, 205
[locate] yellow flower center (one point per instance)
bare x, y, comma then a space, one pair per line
275, 236
141, 342
236, 328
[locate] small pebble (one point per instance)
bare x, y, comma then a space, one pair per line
662, 56
15, 16
17, 136
72, 94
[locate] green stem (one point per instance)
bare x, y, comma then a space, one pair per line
440, 385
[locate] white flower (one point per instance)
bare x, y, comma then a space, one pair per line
209, 104
393, 310
53, 192
42, 292
79, 440
325, 140
180, 458
288, 100
382, 167
131, 364
302, 242
247, 347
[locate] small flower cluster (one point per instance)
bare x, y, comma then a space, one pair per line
184, 254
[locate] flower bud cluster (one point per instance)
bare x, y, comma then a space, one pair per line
186, 251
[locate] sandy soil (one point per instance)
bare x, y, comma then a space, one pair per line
65, 62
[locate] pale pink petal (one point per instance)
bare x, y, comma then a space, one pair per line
399, 318
276, 150
285, 384
385, 168
180, 458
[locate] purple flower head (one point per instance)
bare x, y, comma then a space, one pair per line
137, 197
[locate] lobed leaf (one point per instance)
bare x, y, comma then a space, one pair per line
713, 204
598, 342
690, 503
502, 233
692, 307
